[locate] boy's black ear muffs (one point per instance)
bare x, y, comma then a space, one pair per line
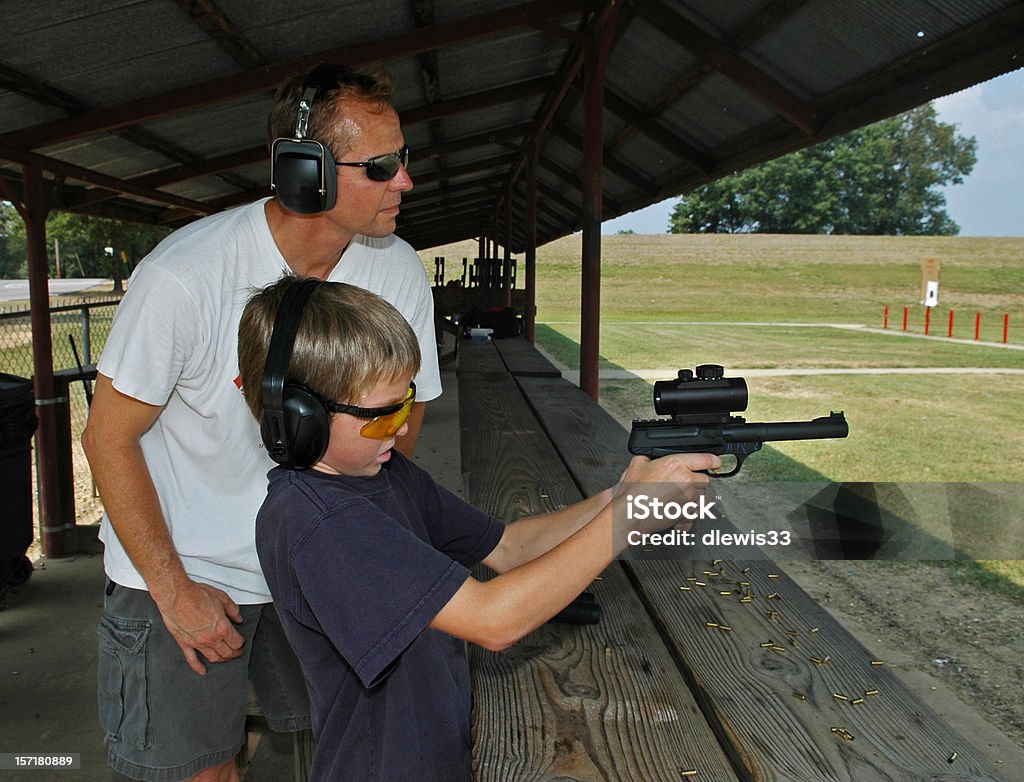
302, 170
296, 425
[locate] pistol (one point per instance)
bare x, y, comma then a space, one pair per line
701, 404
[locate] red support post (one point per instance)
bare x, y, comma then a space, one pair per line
906, 313
951, 323
506, 282
977, 325
52, 524
927, 319
885, 319
530, 316
594, 66
1006, 327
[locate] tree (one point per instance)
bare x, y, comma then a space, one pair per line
12, 243
881, 179
83, 241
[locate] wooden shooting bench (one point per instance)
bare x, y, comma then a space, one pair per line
658, 690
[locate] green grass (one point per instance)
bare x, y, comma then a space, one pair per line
661, 345
666, 300
1004, 577
771, 278
913, 428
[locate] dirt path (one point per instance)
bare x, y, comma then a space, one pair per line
953, 644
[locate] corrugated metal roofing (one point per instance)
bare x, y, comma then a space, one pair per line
172, 95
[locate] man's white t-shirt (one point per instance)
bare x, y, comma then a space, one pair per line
174, 344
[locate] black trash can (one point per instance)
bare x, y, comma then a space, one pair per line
17, 424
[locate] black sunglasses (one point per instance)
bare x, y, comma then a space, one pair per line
384, 167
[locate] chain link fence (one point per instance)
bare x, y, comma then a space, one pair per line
76, 327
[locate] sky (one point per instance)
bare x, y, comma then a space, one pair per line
990, 202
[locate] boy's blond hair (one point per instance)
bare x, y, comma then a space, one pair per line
348, 341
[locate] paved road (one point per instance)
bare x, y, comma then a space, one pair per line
16, 290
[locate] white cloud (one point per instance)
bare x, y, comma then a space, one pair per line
990, 202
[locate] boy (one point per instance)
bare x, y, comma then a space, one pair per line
368, 559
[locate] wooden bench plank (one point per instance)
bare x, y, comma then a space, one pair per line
480, 357
509, 468
593, 702
590, 441
524, 360
746, 690
569, 702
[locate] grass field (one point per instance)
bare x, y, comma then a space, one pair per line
836, 279
673, 301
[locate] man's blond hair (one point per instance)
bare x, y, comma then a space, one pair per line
326, 118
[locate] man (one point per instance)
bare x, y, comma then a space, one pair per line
179, 461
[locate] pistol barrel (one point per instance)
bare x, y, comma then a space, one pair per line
830, 426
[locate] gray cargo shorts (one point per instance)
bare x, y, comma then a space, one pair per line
163, 721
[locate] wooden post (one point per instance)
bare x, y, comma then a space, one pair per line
530, 316
506, 281
598, 49
52, 525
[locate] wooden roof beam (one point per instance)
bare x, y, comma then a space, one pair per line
212, 21
566, 77
72, 171
649, 127
769, 17
501, 136
213, 165
33, 89
490, 185
753, 28
499, 161
434, 234
804, 114
227, 88
477, 201
572, 179
477, 100
168, 176
611, 163
432, 207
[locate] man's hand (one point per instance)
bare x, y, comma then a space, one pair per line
197, 615
200, 619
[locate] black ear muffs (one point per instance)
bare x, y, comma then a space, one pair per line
295, 426
302, 170
302, 174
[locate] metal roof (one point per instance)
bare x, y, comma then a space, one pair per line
155, 110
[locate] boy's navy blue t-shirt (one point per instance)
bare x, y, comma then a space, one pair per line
358, 568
